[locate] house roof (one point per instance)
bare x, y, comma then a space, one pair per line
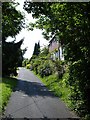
52, 39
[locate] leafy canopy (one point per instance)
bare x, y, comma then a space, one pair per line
71, 23
12, 23
12, 20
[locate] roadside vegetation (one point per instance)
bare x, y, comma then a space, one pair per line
58, 87
55, 74
71, 25
12, 54
7, 86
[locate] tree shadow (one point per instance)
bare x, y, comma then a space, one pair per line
33, 89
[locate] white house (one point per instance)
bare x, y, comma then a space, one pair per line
55, 49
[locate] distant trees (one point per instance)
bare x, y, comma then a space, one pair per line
36, 49
12, 23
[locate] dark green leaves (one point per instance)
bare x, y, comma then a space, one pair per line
36, 49
12, 23
12, 20
71, 23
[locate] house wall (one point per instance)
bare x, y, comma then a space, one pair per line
56, 54
53, 45
61, 53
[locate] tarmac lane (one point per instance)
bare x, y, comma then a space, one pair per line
31, 99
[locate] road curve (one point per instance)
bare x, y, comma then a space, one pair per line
31, 99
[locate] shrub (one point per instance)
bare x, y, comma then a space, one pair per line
36, 63
79, 80
60, 68
28, 66
45, 69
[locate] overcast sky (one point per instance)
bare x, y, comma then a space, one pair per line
30, 37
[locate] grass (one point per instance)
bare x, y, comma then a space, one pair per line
58, 86
6, 88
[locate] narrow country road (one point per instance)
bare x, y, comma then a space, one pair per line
31, 99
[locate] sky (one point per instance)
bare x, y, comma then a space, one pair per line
30, 37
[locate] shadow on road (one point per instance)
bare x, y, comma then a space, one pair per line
33, 89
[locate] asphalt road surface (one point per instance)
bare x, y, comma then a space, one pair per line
31, 99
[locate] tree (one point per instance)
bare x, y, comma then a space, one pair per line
12, 23
70, 22
36, 49
12, 20
44, 51
38, 46
12, 57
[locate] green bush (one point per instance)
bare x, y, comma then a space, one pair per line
35, 65
59, 86
28, 66
45, 69
60, 68
79, 79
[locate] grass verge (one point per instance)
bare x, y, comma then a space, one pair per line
6, 88
58, 86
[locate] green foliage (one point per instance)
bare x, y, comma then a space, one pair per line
35, 64
28, 66
45, 69
60, 68
36, 49
79, 78
70, 22
25, 62
12, 20
11, 57
43, 66
58, 86
44, 52
38, 59
38, 46
12, 23
7, 86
